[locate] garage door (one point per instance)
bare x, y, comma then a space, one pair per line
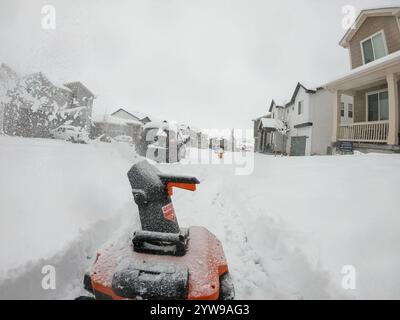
298, 146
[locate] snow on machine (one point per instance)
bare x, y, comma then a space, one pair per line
163, 261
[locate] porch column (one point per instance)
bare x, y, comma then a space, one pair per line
393, 135
337, 99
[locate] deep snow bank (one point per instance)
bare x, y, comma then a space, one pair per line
52, 192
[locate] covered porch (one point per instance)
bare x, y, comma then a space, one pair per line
273, 139
375, 89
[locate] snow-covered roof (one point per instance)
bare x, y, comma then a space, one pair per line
296, 91
136, 114
265, 116
391, 59
114, 120
276, 104
267, 123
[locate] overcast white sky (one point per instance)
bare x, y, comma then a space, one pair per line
209, 63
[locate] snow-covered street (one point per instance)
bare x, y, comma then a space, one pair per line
287, 229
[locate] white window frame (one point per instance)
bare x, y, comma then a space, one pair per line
370, 38
342, 107
352, 110
379, 106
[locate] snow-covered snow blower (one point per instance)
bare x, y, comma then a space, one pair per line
163, 261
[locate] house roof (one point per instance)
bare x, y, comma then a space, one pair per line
364, 14
296, 91
98, 118
273, 103
390, 60
137, 115
80, 84
262, 117
274, 124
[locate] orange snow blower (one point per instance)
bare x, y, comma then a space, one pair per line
163, 261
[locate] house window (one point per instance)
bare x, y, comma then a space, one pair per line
342, 109
378, 106
374, 47
300, 107
350, 110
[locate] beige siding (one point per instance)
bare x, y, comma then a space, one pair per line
371, 26
360, 104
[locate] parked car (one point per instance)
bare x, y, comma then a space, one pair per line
124, 139
104, 138
162, 142
70, 133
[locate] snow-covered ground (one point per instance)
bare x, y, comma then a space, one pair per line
287, 229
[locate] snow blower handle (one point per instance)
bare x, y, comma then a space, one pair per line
152, 192
182, 182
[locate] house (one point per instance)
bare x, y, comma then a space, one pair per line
259, 136
198, 139
134, 115
309, 120
300, 127
273, 129
113, 126
36, 104
220, 142
373, 43
82, 102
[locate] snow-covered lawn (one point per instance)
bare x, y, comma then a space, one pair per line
287, 229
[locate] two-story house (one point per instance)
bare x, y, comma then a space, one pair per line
270, 130
36, 104
309, 119
259, 134
374, 46
302, 126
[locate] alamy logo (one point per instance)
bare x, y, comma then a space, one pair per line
49, 280
349, 277
48, 17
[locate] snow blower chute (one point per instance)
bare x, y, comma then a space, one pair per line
163, 261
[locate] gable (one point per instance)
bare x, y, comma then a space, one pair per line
363, 16
390, 27
273, 106
123, 114
296, 92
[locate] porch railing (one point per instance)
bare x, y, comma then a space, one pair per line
375, 132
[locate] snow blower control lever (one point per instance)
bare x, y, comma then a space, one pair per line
152, 191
